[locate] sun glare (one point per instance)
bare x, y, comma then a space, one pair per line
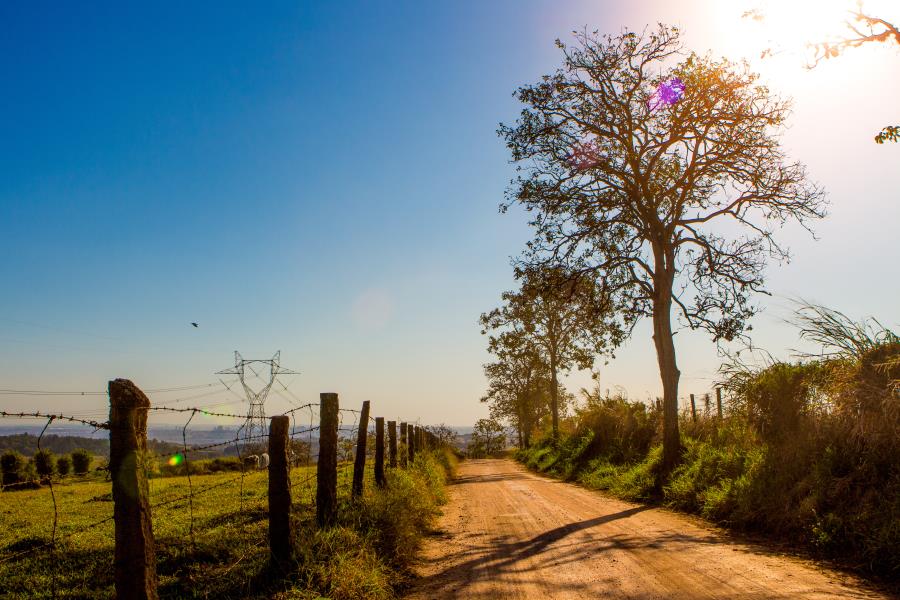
789, 27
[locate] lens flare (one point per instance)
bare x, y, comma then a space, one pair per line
175, 460
668, 93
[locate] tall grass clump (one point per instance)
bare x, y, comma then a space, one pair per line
367, 554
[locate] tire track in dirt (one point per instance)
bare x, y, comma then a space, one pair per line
507, 533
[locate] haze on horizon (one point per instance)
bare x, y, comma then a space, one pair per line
324, 181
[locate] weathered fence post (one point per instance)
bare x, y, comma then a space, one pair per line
359, 464
693, 409
392, 444
135, 551
279, 491
706, 402
412, 433
379, 452
326, 468
404, 444
719, 400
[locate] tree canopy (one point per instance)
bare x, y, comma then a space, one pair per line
661, 174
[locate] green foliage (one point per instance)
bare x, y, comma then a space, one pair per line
44, 463
488, 439
81, 461
11, 464
63, 465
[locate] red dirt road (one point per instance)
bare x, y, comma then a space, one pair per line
508, 533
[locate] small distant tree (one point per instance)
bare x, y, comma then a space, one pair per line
63, 465
44, 463
566, 317
662, 174
11, 464
81, 461
518, 384
446, 436
347, 448
300, 452
488, 438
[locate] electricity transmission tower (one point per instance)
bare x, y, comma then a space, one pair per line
255, 427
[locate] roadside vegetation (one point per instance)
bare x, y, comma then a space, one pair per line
808, 452
222, 551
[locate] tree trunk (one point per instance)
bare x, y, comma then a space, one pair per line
554, 397
668, 371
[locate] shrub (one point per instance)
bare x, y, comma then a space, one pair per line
81, 461
44, 463
63, 465
11, 464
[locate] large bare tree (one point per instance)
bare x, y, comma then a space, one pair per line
662, 174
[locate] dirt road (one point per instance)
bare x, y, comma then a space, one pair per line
507, 533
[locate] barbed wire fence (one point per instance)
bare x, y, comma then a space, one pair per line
357, 437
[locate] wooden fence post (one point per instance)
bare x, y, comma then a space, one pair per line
693, 409
326, 467
392, 444
279, 491
379, 452
404, 444
706, 402
719, 400
412, 432
359, 464
135, 551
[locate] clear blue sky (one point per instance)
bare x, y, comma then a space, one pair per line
324, 179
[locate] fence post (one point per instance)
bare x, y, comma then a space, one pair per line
379, 452
392, 444
404, 444
359, 464
279, 491
706, 401
326, 467
693, 409
719, 400
411, 434
135, 551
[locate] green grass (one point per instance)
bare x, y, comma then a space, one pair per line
364, 556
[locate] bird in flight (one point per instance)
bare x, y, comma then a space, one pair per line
194, 324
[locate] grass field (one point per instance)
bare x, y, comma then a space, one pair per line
225, 558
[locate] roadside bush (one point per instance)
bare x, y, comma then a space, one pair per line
44, 463
11, 464
63, 465
81, 461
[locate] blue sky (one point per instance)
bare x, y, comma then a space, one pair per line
323, 179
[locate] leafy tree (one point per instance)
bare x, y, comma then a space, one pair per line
560, 317
446, 436
63, 465
518, 384
11, 464
488, 438
44, 463
347, 449
640, 165
81, 461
